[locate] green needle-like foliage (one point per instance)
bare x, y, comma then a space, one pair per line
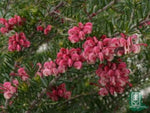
123, 16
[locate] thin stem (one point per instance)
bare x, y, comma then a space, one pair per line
65, 18
60, 4
80, 95
131, 18
101, 10
6, 104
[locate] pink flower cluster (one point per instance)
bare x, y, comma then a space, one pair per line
78, 33
113, 77
17, 42
50, 68
10, 23
9, 89
46, 30
59, 92
68, 58
65, 58
108, 48
21, 73
39, 28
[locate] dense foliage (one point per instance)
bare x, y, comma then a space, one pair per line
73, 56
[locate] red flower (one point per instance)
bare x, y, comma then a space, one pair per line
40, 28
59, 92
17, 41
47, 29
22, 73
78, 33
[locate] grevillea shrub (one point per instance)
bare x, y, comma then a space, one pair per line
113, 77
59, 92
78, 33
8, 89
10, 23
17, 42
72, 56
